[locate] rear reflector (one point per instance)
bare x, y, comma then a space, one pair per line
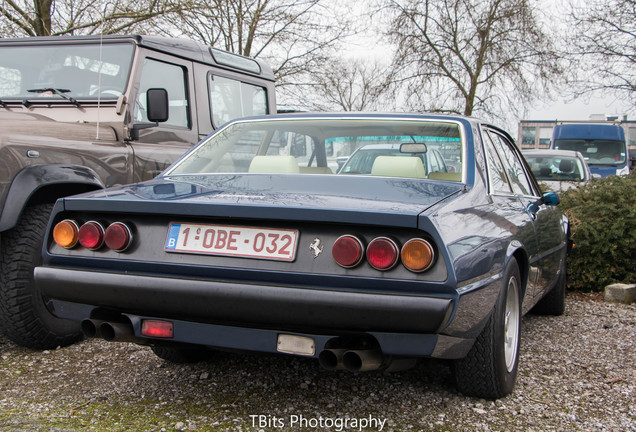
157, 329
417, 255
382, 253
118, 237
91, 235
65, 234
347, 251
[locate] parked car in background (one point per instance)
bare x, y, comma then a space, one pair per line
79, 113
363, 159
238, 246
603, 145
558, 169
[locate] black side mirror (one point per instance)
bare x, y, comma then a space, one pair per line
157, 108
157, 111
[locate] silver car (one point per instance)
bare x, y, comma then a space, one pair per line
362, 160
558, 169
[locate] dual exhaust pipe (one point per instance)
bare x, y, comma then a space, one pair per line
107, 330
361, 360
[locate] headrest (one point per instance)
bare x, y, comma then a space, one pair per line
566, 165
398, 166
274, 165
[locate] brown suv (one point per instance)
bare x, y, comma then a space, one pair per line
84, 113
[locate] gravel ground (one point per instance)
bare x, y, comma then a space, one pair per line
577, 374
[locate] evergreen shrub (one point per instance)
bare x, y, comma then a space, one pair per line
602, 218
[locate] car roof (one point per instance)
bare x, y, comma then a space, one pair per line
360, 115
179, 47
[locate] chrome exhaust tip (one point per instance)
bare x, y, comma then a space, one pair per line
362, 360
331, 359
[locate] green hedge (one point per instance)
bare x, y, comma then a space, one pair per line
603, 227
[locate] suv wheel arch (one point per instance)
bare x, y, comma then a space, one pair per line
37, 184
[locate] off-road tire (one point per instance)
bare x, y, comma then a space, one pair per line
483, 372
24, 316
181, 354
553, 303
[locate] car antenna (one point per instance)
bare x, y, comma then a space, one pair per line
99, 71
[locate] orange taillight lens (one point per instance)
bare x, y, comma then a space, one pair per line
417, 255
66, 233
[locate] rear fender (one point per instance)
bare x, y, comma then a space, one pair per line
38, 184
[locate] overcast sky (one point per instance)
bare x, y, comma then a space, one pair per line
367, 46
580, 109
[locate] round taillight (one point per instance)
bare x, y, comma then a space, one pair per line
347, 251
65, 234
91, 235
118, 237
382, 253
417, 255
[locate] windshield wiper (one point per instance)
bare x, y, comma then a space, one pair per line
60, 92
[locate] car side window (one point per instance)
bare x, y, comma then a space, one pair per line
496, 172
230, 99
158, 74
514, 168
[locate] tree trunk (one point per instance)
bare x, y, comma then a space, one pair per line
42, 21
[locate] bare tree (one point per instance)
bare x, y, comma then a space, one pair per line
349, 85
603, 48
464, 56
293, 36
65, 17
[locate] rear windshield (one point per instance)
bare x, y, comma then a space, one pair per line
596, 152
79, 71
409, 149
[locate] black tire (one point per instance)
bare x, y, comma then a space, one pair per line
24, 316
553, 303
181, 355
490, 369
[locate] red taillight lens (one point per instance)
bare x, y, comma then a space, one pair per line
347, 251
417, 255
65, 234
91, 235
118, 237
157, 328
382, 253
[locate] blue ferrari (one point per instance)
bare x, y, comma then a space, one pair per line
259, 240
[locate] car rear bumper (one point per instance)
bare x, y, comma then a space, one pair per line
249, 305
252, 317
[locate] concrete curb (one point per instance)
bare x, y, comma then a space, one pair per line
620, 293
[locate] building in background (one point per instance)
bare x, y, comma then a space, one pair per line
536, 134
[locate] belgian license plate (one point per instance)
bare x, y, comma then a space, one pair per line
260, 243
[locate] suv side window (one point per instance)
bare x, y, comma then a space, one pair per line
514, 167
496, 172
230, 99
157, 74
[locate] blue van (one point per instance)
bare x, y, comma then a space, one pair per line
602, 145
